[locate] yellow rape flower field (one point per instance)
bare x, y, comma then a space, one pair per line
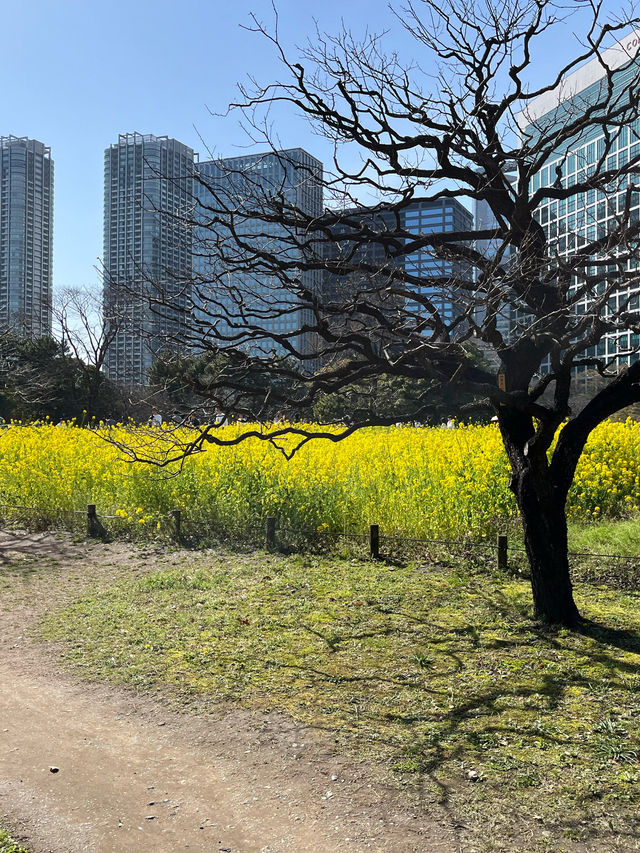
415, 482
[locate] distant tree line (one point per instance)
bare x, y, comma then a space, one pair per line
42, 378
179, 383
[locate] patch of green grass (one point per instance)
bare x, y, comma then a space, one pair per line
434, 672
9, 845
619, 538
606, 537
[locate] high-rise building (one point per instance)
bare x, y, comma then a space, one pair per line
148, 194
577, 221
343, 293
26, 236
484, 220
424, 273
437, 275
245, 301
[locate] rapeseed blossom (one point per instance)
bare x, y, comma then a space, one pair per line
413, 481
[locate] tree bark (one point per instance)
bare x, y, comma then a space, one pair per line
541, 494
544, 524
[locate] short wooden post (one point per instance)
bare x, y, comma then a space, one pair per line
92, 520
374, 541
270, 532
177, 521
502, 553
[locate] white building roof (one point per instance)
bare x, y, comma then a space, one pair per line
580, 79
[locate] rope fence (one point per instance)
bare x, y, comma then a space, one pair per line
270, 535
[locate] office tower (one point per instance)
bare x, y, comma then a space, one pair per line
148, 186
423, 272
232, 292
436, 216
343, 294
484, 220
26, 236
572, 223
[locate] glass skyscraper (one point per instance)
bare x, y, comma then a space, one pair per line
437, 275
26, 236
232, 291
426, 274
148, 194
572, 223
484, 220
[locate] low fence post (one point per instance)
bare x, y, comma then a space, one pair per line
92, 521
374, 541
502, 553
177, 522
270, 532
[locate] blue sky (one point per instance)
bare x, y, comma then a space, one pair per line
82, 72
77, 73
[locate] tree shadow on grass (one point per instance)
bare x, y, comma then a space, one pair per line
449, 676
41, 544
620, 638
26, 553
526, 729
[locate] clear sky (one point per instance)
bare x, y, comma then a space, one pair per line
76, 73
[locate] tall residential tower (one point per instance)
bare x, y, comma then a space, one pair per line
26, 236
148, 186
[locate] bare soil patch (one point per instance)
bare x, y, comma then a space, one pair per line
132, 774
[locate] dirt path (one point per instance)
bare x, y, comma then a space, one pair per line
135, 776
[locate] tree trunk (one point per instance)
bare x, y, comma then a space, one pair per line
544, 524
541, 492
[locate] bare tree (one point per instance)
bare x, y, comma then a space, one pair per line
557, 277
82, 324
86, 330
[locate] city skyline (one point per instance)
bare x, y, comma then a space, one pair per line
85, 81
98, 86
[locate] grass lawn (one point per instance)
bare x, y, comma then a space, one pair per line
432, 670
611, 537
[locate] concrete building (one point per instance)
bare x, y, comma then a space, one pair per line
148, 194
26, 236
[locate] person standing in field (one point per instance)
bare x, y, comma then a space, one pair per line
156, 418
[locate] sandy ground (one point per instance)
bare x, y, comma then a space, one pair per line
133, 775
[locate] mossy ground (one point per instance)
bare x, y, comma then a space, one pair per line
432, 669
9, 845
